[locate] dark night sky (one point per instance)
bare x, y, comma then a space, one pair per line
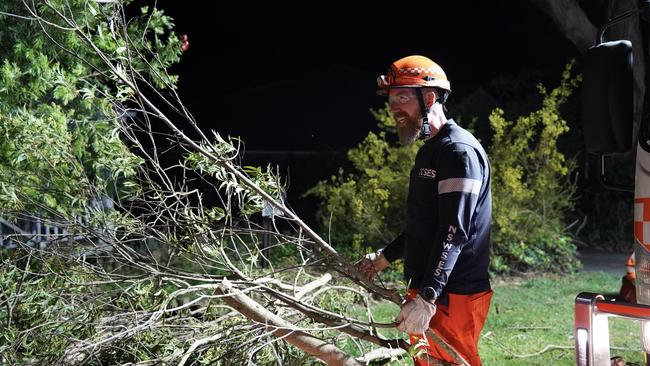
250, 45
300, 76
297, 60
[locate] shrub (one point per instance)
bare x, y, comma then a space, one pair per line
531, 188
365, 208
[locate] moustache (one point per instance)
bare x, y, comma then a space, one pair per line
400, 116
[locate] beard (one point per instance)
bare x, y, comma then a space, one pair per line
408, 133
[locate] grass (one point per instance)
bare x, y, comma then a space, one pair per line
527, 316
531, 321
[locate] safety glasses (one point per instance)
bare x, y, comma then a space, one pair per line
401, 97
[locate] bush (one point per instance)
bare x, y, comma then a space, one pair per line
365, 208
531, 188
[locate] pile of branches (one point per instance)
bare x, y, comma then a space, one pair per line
158, 274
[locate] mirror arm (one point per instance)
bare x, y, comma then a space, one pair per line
615, 20
613, 186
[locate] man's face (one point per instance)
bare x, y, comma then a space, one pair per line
404, 105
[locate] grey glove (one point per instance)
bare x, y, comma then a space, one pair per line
415, 315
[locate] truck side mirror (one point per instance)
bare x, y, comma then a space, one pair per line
607, 98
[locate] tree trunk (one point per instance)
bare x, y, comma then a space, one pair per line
571, 20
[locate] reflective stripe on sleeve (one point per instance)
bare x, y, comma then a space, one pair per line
467, 185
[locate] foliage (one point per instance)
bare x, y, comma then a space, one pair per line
594, 204
144, 282
50, 304
30, 304
249, 201
60, 142
364, 208
531, 188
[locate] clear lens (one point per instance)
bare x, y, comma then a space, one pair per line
400, 98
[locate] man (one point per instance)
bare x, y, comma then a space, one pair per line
446, 242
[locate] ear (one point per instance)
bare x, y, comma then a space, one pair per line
429, 97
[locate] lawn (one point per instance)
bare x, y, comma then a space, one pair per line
532, 315
531, 321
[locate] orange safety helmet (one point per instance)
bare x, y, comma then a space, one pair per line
414, 72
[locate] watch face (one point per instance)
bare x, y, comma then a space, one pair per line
428, 293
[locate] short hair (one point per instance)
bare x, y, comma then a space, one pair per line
441, 95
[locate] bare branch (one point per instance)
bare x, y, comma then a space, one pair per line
280, 328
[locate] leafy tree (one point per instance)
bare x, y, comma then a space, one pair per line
531, 188
166, 276
60, 144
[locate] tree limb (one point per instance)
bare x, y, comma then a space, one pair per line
279, 327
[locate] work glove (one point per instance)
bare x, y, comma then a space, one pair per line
415, 315
372, 264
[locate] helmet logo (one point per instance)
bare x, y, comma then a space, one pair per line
418, 70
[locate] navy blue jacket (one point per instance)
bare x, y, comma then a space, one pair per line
446, 242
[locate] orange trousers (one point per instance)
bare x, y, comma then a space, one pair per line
459, 324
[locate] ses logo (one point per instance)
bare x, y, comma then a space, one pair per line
427, 173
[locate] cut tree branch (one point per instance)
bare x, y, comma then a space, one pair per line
279, 327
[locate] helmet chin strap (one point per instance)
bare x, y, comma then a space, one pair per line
426, 129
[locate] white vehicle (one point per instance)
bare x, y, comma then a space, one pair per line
608, 129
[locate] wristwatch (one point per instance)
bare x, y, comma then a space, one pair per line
429, 294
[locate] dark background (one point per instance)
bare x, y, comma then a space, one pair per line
296, 80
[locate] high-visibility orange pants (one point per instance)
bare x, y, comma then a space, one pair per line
459, 324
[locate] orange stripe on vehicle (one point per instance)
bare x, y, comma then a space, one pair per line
646, 207
638, 231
